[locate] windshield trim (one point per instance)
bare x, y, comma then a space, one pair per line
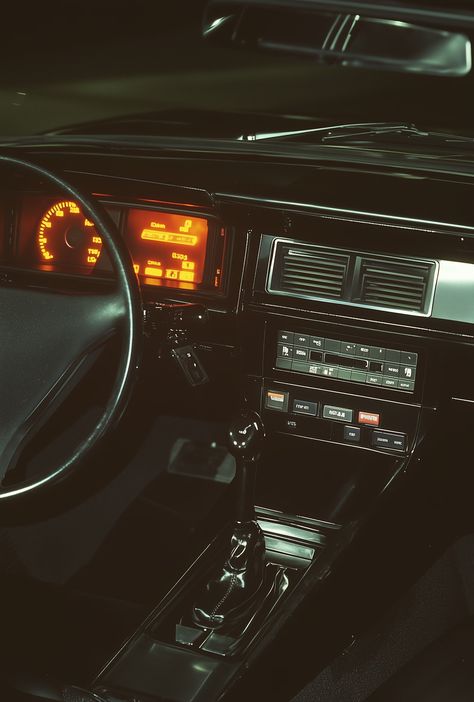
454, 161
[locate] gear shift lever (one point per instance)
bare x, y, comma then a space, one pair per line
232, 590
246, 434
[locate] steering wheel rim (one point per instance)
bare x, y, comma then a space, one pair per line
127, 311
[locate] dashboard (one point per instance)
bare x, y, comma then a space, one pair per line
339, 304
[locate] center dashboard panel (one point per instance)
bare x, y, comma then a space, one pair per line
345, 361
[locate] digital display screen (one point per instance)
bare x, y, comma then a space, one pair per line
167, 247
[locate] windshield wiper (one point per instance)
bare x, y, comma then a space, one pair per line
362, 130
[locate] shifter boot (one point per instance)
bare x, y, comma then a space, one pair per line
230, 594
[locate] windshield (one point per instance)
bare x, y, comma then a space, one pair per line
66, 64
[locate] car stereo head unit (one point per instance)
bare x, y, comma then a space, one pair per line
344, 360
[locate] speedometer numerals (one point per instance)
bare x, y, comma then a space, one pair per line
66, 237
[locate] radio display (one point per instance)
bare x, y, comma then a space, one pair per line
168, 247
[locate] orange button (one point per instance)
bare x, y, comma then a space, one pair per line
369, 418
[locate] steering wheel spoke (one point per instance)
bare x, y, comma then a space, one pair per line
51, 336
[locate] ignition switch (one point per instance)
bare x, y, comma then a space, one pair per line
169, 326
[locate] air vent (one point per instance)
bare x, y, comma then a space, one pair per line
395, 284
309, 271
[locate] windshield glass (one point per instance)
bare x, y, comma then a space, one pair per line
81, 62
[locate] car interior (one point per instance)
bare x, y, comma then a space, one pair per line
236, 373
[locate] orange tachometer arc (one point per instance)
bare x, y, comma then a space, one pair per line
64, 235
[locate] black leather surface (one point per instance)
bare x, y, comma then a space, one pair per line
229, 595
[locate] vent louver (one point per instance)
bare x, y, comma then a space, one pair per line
394, 284
361, 279
309, 272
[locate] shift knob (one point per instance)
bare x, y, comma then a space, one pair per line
246, 434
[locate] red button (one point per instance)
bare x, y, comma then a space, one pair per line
369, 418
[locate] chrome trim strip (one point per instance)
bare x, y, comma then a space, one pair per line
454, 296
274, 309
279, 517
291, 532
288, 548
302, 296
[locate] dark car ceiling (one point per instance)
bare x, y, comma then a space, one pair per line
95, 61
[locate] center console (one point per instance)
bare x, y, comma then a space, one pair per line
342, 399
341, 391
202, 632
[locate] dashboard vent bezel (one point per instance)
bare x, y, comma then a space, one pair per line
377, 276
352, 284
306, 270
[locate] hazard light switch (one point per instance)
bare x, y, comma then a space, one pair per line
370, 418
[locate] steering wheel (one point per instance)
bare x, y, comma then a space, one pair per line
46, 338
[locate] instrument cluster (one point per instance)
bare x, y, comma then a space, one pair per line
174, 248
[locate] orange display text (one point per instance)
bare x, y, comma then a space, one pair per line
166, 246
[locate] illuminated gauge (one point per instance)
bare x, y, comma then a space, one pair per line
66, 237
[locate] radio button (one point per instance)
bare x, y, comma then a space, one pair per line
407, 358
348, 349
285, 337
329, 371
363, 351
300, 354
352, 434
358, 376
392, 356
340, 414
283, 363
300, 367
304, 407
392, 370
377, 353
317, 342
383, 439
285, 351
374, 379
344, 373
332, 345
390, 382
407, 372
406, 385
301, 340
